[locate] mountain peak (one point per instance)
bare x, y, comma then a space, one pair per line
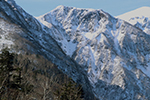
66, 9
60, 7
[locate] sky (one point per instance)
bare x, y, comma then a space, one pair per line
113, 7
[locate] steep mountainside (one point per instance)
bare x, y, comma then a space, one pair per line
22, 32
108, 56
113, 53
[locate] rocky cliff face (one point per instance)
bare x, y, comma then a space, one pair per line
108, 56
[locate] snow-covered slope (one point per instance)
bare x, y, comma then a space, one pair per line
113, 53
70, 22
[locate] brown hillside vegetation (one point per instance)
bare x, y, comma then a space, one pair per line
40, 80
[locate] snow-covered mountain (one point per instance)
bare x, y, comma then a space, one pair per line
139, 18
110, 51
108, 56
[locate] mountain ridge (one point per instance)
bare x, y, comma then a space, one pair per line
102, 46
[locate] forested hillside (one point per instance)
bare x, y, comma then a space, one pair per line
32, 77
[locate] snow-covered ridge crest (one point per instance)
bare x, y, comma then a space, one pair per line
18, 15
71, 20
13, 4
